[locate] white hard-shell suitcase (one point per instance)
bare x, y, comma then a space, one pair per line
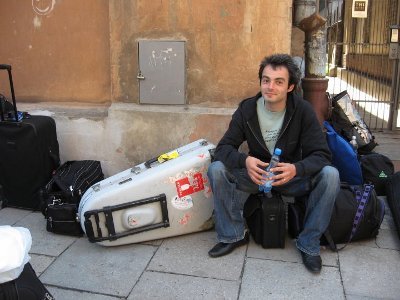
152, 200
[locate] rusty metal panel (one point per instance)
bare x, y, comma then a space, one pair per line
161, 73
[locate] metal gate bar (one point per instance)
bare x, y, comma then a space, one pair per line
358, 62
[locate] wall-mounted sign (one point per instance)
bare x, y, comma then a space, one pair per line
359, 9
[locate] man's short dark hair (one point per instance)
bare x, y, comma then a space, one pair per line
277, 60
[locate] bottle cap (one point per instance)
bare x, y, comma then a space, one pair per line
277, 151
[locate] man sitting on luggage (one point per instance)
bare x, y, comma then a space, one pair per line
275, 117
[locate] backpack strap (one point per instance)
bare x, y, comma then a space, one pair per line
362, 201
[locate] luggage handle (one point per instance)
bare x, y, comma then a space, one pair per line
150, 161
8, 68
109, 223
5, 67
162, 158
174, 155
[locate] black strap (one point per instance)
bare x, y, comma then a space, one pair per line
330, 241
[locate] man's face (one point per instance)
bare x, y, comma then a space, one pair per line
275, 85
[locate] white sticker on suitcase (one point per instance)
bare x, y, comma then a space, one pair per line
139, 216
182, 203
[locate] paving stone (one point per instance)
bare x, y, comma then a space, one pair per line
40, 262
355, 297
388, 239
44, 242
188, 254
267, 279
10, 216
370, 272
289, 253
59, 293
388, 223
153, 243
94, 268
365, 243
155, 285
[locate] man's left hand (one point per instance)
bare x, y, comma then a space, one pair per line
284, 172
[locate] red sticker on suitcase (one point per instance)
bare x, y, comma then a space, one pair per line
184, 187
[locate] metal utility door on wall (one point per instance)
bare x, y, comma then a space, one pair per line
161, 72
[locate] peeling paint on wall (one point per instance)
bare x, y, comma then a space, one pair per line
43, 7
161, 57
37, 22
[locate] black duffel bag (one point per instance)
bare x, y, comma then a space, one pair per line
26, 287
61, 196
357, 215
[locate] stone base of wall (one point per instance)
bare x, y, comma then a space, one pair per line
124, 135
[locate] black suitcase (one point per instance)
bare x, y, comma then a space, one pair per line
393, 198
26, 287
266, 219
29, 154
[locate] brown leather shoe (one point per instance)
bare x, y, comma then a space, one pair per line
222, 249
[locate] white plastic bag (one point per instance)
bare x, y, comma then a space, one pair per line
15, 243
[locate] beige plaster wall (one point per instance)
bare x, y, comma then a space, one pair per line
86, 51
225, 42
58, 52
77, 62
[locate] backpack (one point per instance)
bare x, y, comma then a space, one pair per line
376, 169
61, 196
348, 123
357, 215
343, 157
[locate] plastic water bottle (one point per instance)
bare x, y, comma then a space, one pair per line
266, 187
354, 144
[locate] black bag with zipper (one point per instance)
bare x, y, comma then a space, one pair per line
266, 219
393, 198
376, 169
61, 196
348, 123
357, 215
26, 287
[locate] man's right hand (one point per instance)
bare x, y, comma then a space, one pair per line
256, 169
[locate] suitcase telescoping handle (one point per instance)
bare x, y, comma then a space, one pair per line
5, 67
92, 224
150, 161
8, 68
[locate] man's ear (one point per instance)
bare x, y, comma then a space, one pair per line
291, 87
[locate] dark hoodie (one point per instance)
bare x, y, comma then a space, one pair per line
301, 138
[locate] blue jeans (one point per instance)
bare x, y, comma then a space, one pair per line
231, 188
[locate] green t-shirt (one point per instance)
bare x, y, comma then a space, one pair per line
270, 123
